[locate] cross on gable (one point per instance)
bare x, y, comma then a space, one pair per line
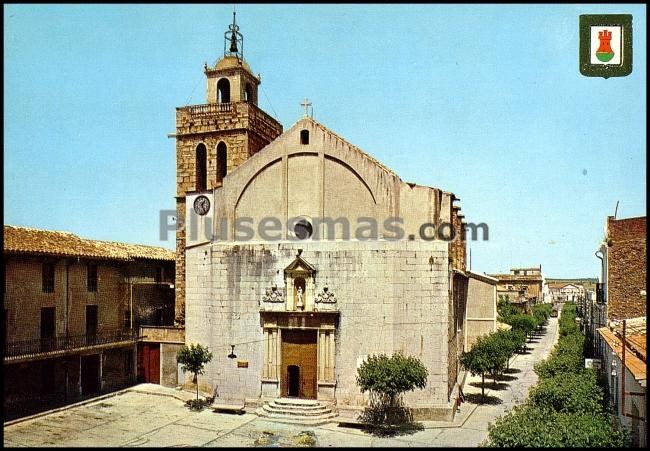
306, 104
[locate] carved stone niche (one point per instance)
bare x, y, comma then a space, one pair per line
301, 284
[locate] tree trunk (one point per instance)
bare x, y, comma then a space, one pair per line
196, 376
483, 386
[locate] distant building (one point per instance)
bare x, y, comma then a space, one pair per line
565, 292
523, 286
575, 290
72, 311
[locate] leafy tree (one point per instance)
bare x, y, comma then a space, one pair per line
567, 356
193, 359
541, 313
569, 392
567, 321
524, 323
387, 378
504, 308
509, 341
487, 356
531, 426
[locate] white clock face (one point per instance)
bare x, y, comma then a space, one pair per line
201, 205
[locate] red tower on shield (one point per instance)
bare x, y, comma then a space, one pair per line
605, 52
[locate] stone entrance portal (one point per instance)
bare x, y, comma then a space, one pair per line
299, 359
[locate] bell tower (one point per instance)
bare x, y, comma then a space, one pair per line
214, 138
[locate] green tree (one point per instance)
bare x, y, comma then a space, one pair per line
531, 426
487, 356
509, 341
524, 323
387, 378
504, 308
541, 313
193, 359
577, 392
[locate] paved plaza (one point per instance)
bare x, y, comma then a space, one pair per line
150, 415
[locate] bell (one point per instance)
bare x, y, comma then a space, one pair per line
233, 43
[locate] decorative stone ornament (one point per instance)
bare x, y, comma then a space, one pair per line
273, 294
326, 296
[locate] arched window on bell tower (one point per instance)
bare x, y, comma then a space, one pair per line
222, 161
201, 167
249, 94
223, 91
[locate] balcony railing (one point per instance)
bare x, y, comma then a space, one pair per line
47, 346
207, 109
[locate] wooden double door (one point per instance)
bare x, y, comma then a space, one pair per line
299, 363
149, 363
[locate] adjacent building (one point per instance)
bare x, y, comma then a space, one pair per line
302, 255
72, 312
627, 382
621, 297
481, 314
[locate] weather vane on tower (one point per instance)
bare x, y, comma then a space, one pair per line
234, 38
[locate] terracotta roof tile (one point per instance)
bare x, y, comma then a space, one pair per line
47, 242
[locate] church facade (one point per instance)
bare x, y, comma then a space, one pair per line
301, 255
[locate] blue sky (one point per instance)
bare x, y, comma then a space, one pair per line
485, 101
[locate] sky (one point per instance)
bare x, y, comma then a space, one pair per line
485, 101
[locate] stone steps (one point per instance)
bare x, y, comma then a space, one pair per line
297, 411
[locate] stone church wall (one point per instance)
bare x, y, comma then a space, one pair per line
392, 296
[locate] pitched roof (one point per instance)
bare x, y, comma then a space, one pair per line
26, 240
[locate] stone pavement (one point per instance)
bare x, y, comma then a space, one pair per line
150, 415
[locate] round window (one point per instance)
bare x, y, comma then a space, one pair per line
303, 229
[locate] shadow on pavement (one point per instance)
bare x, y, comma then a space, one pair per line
512, 371
506, 378
490, 385
476, 398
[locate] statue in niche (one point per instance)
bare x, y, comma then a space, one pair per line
299, 304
